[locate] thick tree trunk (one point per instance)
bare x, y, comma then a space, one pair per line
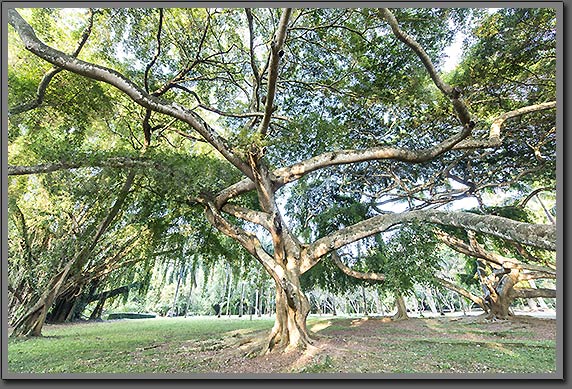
292, 309
501, 295
401, 308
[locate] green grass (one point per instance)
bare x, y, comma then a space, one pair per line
123, 346
178, 345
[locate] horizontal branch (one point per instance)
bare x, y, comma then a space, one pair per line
494, 139
475, 250
115, 162
537, 235
532, 293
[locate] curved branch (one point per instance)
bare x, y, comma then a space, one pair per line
117, 162
477, 251
285, 175
532, 293
125, 85
341, 157
494, 139
41, 92
356, 274
256, 217
157, 53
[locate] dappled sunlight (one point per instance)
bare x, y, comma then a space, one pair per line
501, 348
320, 326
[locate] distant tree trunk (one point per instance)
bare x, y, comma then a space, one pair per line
98, 311
192, 284
401, 308
226, 285
269, 301
365, 311
240, 306
228, 294
256, 305
431, 301
334, 312
174, 307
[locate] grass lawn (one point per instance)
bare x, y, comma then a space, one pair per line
201, 345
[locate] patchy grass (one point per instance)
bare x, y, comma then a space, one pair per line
211, 345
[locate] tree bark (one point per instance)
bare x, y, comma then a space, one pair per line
401, 308
292, 309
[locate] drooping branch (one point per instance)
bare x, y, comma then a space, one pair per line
41, 92
125, 85
157, 53
537, 235
370, 276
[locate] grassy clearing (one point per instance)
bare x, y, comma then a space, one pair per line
126, 346
198, 345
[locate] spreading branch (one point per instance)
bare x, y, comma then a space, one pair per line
452, 93
125, 85
537, 235
41, 92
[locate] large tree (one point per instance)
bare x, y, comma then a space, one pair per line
307, 103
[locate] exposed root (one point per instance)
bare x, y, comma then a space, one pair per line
398, 317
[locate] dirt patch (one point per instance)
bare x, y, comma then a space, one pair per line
361, 344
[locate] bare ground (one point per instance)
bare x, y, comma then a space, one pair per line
380, 345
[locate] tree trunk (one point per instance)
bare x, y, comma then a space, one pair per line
292, 309
501, 296
401, 308
97, 312
365, 311
240, 306
174, 308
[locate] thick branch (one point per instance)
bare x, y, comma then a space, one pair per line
537, 235
532, 293
125, 85
41, 92
477, 251
494, 139
276, 54
116, 162
260, 218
